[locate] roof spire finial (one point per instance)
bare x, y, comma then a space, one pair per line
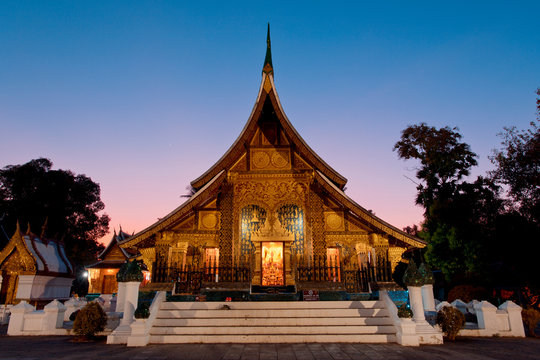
268, 69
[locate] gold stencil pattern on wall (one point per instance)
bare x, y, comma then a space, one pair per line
334, 221
208, 220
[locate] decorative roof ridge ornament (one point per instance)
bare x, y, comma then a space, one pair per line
268, 69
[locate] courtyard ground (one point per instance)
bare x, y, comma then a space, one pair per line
62, 347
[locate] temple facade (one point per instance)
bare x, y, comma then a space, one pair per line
270, 213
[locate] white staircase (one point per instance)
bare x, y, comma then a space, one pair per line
272, 322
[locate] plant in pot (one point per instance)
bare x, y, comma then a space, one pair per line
142, 311
404, 312
414, 281
130, 271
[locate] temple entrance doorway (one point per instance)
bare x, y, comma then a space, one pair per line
272, 264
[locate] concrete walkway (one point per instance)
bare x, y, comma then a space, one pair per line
60, 347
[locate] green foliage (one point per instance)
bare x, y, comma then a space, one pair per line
531, 317
412, 276
130, 271
443, 159
404, 311
518, 168
451, 320
90, 320
142, 311
426, 273
33, 192
467, 293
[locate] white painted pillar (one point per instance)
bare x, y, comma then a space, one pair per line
130, 303
417, 307
121, 297
54, 316
428, 299
16, 322
486, 313
514, 318
0, 282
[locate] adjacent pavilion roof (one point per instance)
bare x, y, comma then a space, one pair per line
114, 256
39, 255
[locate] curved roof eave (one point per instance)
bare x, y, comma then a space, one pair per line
367, 216
177, 213
237, 148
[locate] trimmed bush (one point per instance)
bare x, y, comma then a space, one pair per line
142, 311
530, 319
130, 271
90, 320
467, 293
412, 276
451, 320
426, 273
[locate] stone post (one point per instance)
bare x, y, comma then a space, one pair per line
486, 313
130, 302
121, 297
427, 297
71, 305
417, 307
16, 323
514, 318
54, 316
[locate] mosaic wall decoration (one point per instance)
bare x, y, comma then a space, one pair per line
252, 218
292, 218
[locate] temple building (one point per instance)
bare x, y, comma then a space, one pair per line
34, 268
270, 213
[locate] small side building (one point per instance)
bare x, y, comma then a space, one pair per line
35, 269
102, 274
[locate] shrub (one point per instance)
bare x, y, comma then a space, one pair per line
404, 311
451, 320
468, 293
90, 320
530, 319
142, 311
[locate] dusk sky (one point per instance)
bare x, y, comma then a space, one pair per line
143, 97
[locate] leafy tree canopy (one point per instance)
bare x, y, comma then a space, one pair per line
34, 193
518, 167
444, 159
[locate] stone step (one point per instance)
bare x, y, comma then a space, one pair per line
260, 313
273, 305
272, 330
285, 338
275, 321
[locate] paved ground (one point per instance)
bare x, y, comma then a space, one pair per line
61, 347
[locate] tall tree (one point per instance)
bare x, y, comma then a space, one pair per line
34, 193
454, 210
518, 167
444, 159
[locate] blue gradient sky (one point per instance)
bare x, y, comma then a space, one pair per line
143, 97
